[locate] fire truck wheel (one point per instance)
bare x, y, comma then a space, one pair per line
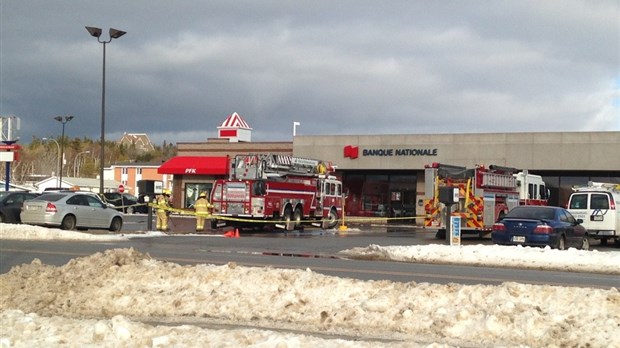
288, 214
297, 217
441, 234
214, 224
333, 218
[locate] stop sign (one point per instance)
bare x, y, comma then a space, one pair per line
121, 188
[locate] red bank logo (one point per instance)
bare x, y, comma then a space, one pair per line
352, 152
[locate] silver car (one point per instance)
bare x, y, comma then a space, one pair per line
70, 210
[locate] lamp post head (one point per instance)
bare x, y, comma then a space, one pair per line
96, 32
66, 119
115, 33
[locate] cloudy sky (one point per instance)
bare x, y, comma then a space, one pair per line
337, 67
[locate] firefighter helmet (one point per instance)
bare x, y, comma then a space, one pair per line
203, 194
166, 192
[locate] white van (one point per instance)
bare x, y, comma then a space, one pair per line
598, 205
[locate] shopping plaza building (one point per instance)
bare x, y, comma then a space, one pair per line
381, 172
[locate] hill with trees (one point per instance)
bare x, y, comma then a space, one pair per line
40, 158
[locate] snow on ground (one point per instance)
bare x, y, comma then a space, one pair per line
123, 298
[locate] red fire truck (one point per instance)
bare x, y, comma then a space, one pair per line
485, 195
269, 190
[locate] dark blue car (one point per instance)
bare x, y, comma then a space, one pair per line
541, 226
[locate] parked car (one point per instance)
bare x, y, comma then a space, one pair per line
70, 210
11, 205
125, 202
541, 226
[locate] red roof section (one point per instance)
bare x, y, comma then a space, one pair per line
188, 165
234, 121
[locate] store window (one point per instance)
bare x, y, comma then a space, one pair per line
192, 191
380, 195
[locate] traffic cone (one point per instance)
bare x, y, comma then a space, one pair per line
236, 233
229, 234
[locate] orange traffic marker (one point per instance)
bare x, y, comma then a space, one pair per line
229, 234
236, 233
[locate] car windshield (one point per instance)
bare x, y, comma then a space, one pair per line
536, 213
4, 194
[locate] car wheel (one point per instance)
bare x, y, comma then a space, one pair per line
603, 241
585, 243
2, 218
561, 245
68, 223
116, 224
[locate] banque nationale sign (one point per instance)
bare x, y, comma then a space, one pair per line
399, 152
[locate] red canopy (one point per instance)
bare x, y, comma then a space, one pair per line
189, 165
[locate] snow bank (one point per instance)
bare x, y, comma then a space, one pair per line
126, 286
495, 256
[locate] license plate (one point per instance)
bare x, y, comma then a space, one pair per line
518, 239
596, 218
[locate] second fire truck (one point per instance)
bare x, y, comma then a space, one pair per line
269, 190
486, 194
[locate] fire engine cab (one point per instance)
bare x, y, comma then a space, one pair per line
269, 190
485, 196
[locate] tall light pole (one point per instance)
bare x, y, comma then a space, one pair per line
63, 120
58, 161
114, 34
76, 170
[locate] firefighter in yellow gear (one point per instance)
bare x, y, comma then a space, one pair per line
162, 206
202, 207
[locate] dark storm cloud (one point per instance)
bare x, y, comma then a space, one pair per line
338, 67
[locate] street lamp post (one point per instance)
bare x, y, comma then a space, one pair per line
114, 34
63, 120
76, 170
58, 161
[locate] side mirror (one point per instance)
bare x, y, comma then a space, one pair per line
579, 221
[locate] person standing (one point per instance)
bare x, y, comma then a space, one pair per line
202, 207
162, 206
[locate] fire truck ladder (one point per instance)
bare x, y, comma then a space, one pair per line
264, 166
282, 165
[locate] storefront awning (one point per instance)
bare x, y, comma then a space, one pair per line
195, 165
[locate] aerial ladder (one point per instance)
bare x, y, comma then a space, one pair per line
269, 166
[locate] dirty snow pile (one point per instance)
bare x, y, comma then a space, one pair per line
571, 260
123, 298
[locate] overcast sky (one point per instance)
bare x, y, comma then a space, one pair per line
337, 67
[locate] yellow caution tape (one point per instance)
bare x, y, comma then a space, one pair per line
237, 219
